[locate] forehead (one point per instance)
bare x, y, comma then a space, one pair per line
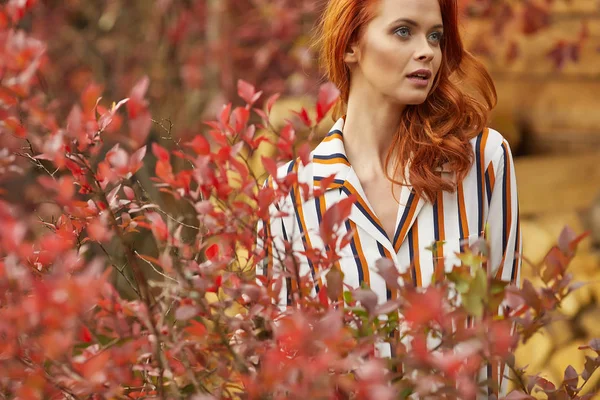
425, 12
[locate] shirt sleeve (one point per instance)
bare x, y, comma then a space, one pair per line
503, 224
504, 237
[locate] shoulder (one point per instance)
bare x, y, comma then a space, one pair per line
489, 146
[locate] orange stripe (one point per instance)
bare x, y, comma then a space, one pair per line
268, 238
439, 247
333, 136
300, 212
360, 200
361, 255
269, 255
462, 212
407, 223
336, 264
416, 262
482, 143
490, 171
333, 185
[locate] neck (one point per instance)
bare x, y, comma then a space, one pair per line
369, 128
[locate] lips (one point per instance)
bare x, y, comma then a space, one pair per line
423, 74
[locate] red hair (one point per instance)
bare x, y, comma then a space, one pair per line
436, 132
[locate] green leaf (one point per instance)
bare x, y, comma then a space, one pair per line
472, 304
348, 297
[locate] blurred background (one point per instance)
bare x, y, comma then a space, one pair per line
543, 55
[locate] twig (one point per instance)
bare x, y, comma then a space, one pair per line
154, 268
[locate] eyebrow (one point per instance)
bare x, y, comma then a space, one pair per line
414, 23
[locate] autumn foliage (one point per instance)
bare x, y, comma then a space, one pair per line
188, 317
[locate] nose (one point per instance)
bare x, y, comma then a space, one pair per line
424, 51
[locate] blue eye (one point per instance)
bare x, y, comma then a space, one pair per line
402, 31
436, 36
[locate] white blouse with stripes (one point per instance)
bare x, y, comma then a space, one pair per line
485, 199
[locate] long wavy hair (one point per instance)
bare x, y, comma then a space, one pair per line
430, 134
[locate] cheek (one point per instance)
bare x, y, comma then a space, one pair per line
383, 57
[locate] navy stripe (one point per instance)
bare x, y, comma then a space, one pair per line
333, 132
320, 219
302, 233
504, 203
488, 187
388, 292
479, 188
330, 157
436, 227
361, 277
489, 376
404, 217
338, 181
413, 270
436, 222
365, 212
513, 274
318, 207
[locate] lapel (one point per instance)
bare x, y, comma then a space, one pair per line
329, 158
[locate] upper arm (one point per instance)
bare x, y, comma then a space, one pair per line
503, 223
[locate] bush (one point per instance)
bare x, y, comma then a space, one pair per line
117, 286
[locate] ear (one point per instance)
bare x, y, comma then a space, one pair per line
351, 55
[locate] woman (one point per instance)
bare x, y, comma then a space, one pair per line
413, 147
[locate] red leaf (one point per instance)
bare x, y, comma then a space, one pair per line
328, 95
247, 92
136, 160
334, 217
224, 115
240, 116
303, 114
367, 298
136, 103
196, 329
140, 128
270, 101
160, 152
185, 312
199, 144
323, 298
158, 226
212, 251
424, 307
89, 98
389, 272
85, 335
304, 153
270, 165
535, 18
335, 284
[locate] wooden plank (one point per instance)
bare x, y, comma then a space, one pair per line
557, 183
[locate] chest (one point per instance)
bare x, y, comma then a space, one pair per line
384, 201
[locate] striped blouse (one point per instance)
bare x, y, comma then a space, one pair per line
485, 199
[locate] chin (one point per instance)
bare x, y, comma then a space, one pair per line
412, 100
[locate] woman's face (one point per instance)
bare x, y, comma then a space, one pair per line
403, 37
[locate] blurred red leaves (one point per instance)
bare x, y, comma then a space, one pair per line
108, 294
